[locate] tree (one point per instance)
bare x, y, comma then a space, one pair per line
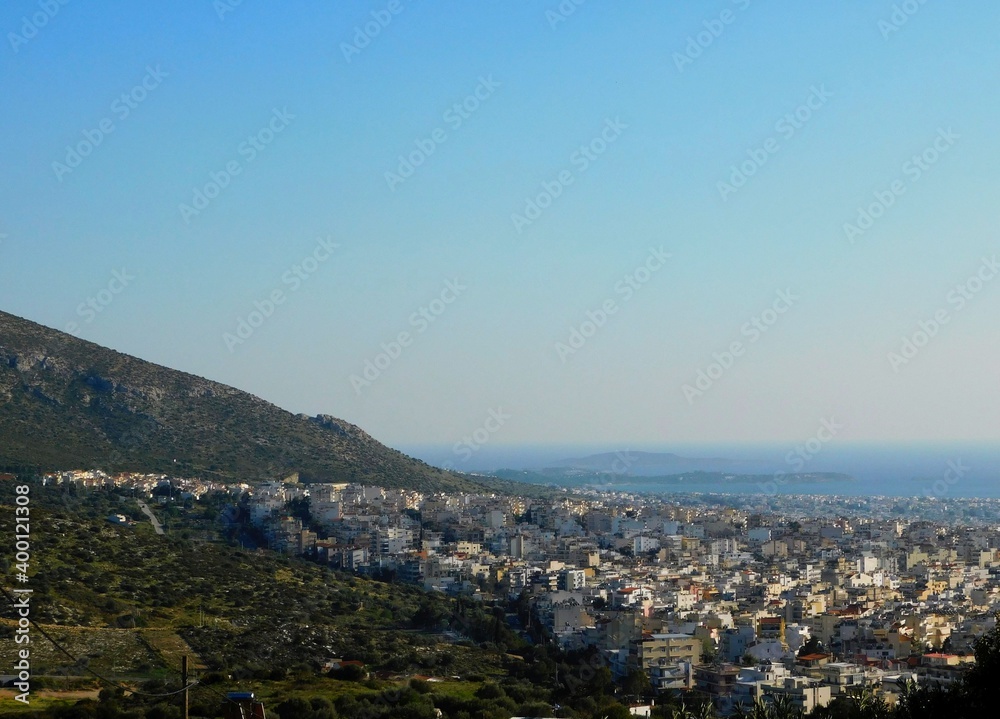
615, 711
812, 646
322, 708
299, 507
490, 690
709, 653
420, 686
683, 710
978, 689
348, 673
294, 708
870, 705
636, 683
925, 703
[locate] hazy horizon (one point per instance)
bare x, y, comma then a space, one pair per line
938, 470
536, 455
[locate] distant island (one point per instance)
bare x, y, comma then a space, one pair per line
657, 464
724, 478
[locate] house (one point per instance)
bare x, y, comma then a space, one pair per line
663, 649
843, 677
805, 693
719, 683
813, 660
242, 705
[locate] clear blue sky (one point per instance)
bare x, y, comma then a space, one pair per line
673, 125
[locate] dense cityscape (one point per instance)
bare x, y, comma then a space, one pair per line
734, 597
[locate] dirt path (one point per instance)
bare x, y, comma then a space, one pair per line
157, 527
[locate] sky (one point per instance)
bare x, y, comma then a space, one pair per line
472, 224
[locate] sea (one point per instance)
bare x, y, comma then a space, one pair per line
967, 470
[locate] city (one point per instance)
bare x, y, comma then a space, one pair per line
738, 598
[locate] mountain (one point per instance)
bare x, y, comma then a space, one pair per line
650, 464
66, 403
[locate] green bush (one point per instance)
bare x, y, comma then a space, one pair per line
420, 686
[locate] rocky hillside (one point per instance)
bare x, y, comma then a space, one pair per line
68, 403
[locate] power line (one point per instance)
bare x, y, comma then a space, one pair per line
76, 661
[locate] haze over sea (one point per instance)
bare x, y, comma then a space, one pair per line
876, 469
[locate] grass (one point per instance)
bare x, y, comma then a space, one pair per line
40, 700
171, 648
270, 692
113, 652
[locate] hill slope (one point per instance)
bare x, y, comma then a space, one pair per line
252, 611
66, 403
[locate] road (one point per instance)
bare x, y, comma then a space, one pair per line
146, 510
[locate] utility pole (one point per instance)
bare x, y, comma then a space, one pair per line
184, 683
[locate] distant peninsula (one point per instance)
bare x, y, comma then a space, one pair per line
578, 478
